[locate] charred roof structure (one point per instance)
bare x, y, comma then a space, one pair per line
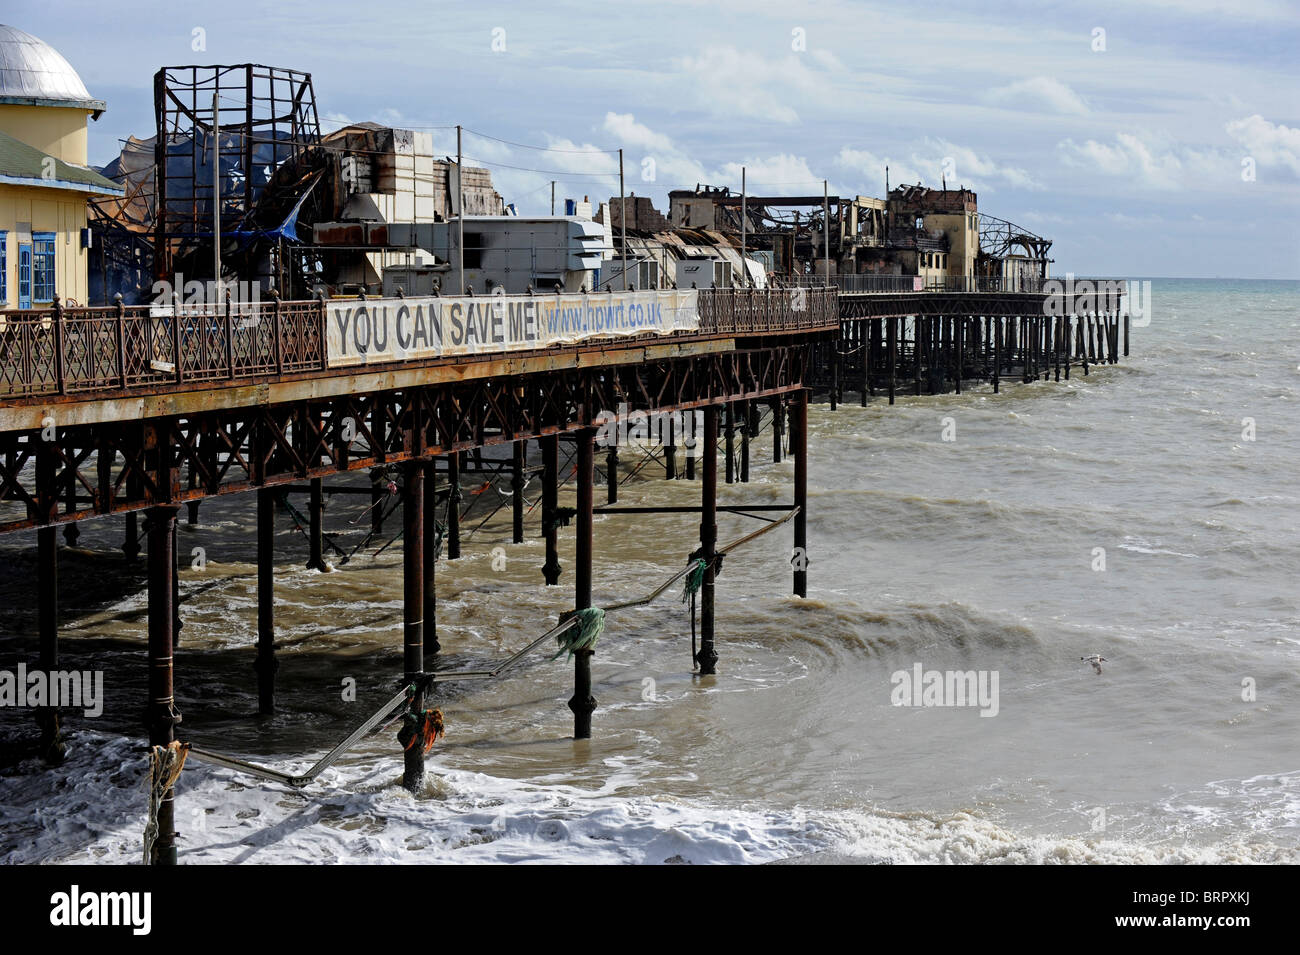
276, 179
261, 124
934, 235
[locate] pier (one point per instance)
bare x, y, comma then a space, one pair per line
936, 340
128, 412
123, 412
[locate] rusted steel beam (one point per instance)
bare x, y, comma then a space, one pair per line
161, 715
583, 704
550, 518
129, 465
749, 427
729, 441
316, 530
413, 603
453, 506
265, 663
799, 447
707, 656
47, 595
517, 466
611, 474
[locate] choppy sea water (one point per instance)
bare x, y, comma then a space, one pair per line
976, 554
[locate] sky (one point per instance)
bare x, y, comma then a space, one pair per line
1146, 137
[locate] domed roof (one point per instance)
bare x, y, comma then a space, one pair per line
34, 73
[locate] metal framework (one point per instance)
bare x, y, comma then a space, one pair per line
267, 117
102, 418
1000, 238
86, 352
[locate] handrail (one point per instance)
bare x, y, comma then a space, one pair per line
725, 549
115, 349
322, 764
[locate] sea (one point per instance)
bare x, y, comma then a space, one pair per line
1148, 513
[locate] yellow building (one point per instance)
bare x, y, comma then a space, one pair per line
44, 179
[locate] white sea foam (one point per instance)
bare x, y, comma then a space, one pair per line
359, 814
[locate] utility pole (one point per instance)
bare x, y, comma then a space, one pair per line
744, 223
460, 215
826, 227
216, 201
552, 197
622, 215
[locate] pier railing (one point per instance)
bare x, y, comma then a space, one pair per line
756, 311
862, 282
68, 351
64, 351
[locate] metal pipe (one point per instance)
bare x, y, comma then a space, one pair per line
265, 664
460, 217
430, 483
216, 197
690, 509
583, 703
826, 227
729, 430
413, 610
550, 496
738, 542
622, 216
744, 225
47, 586
708, 657
517, 491
316, 533
453, 506
320, 766
800, 450
611, 474
161, 715
751, 425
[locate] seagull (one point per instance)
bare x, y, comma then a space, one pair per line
1096, 660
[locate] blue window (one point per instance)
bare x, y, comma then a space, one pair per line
4, 269
43, 267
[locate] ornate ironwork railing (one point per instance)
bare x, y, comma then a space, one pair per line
66, 351
70, 351
867, 282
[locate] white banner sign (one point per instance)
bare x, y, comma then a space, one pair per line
398, 329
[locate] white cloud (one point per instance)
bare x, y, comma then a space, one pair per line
1035, 218
783, 174
1233, 9
1268, 143
626, 130
726, 81
1151, 162
934, 161
1132, 222
871, 167
1128, 157
1041, 91
331, 121
966, 167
